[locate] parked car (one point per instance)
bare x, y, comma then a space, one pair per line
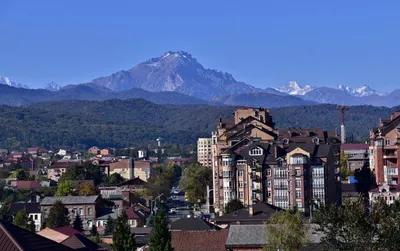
172, 211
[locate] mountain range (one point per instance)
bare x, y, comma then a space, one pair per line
178, 78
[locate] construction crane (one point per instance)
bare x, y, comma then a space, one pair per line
342, 109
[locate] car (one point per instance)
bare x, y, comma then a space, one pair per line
172, 211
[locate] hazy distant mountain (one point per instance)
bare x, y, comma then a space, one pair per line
52, 87
7, 81
261, 99
362, 91
293, 88
176, 71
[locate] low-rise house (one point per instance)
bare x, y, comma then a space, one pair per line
142, 169
62, 152
33, 210
25, 184
104, 152
94, 150
192, 224
386, 192
13, 238
58, 234
122, 166
254, 238
85, 206
81, 243
58, 168
349, 192
34, 197
258, 213
135, 218
33, 151
16, 154
199, 240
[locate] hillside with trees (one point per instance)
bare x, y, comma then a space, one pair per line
125, 123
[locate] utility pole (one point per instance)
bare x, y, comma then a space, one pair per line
208, 198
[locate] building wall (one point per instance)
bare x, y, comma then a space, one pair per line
37, 219
204, 155
142, 169
124, 167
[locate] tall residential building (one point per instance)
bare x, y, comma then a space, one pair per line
252, 163
204, 151
384, 150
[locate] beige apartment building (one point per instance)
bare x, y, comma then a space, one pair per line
384, 150
204, 155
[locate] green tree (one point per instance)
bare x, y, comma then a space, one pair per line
350, 227
233, 206
22, 219
31, 225
110, 225
115, 179
77, 224
58, 216
5, 214
195, 180
123, 239
345, 172
86, 189
286, 231
93, 231
64, 188
19, 174
160, 236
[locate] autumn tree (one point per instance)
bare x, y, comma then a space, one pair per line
195, 180
64, 188
123, 239
58, 216
86, 189
286, 231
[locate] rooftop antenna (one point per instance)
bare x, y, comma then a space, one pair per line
342, 108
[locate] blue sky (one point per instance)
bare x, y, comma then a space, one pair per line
263, 43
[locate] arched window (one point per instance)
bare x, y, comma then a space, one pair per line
285, 141
315, 140
256, 151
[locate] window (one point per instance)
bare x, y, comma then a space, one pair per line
268, 193
228, 184
315, 140
227, 174
285, 141
387, 142
297, 172
80, 211
256, 151
268, 172
240, 183
241, 195
36, 216
268, 183
226, 161
299, 204
89, 211
298, 194
240, 173
298, 183
298, 160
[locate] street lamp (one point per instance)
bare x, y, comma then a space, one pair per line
154, 202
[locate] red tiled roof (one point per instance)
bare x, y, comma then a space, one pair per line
199, 240
132, 214
69, 231
27, 184
354, 146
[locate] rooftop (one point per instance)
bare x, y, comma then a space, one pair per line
199, 240
70, 200
192, 224
354, 146
31, 208
261, 213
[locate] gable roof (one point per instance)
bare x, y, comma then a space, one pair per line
321, 150
199, 240
70, 200
192, 224
69, 231
31, 208
13, 238
78, 241
261, 213
135, 182
392, 124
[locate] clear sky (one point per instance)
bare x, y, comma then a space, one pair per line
263, 43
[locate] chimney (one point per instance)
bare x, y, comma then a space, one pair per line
251, 210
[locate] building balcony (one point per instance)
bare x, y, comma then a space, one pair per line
315, 174
390, 170
318, 185
280, 187
280, 176
390, 156
281, 198
256, 190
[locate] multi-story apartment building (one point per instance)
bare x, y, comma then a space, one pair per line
384, 150
357, 155
250, 166
204, 156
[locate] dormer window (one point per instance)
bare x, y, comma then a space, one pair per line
286, 141
315, 140
256, 151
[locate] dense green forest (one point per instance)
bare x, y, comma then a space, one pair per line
124, 123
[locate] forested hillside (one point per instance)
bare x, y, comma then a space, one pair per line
122, 123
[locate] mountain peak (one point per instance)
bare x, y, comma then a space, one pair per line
52, 86
7, 81
362, 91
293, 88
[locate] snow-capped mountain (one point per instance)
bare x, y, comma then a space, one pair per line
293, 88
7, 81
362, 91
52, 87
176, 71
